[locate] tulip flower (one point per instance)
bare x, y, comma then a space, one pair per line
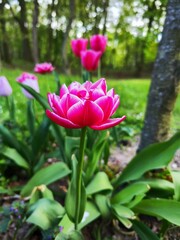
5, 88
79, 45
90, 59
43, 68
84, 105
98, 43
29, 80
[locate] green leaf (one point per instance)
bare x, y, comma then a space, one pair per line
128, 193
30, 116
46, 176
40, 192
90, 214
102, 204
176, 180
164, 208
155, 156
123, 211
99, 183
45, 213
71, 144
70, 201
143, 231
16, 157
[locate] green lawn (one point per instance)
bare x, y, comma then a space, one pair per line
133, 95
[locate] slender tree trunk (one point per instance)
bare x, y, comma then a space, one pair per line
5, 45
35, 31
165, 83
105, 8
72, 5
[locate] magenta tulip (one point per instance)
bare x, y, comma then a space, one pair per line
79, 45
90, 59
43, 68
98, 43
29, 80
84, 105
5, 88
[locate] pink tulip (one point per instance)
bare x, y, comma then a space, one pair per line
79, 45
5, 88
29, 80
43, 68
98, 43
90, 59
88, 104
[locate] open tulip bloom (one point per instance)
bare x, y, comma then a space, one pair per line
29, 80
84, 105
43, 68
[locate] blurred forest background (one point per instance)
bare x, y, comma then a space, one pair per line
41, 30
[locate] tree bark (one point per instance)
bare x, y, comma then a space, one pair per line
165, 83
35, 31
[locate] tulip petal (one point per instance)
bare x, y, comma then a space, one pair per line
106, 104
85, 114
108, 124
63, 90
116, 104
101, 83
61, 121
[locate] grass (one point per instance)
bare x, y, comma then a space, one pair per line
133, 94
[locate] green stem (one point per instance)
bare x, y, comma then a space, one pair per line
79, 175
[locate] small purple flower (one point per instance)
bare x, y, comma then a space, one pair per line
61, 228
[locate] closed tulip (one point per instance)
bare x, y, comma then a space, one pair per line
90, 59
43, 68
29, 80
98, 43
5, 88
79, 45
84, 105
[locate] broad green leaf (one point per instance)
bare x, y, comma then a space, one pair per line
90, 214
99, 183
102, 204
15, 157
143, 231
155, 156
128, 193
42, 101
125, 221
71, 144
164, 208
71, 201
46, 176
137, 199
123, 211
40, 192
176, 180
45, 213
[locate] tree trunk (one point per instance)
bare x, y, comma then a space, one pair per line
105, 9
35, 32
5, 46
165, 83
66, 35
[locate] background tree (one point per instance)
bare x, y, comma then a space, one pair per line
35, 31
165, 80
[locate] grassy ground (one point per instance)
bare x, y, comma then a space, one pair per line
133, 95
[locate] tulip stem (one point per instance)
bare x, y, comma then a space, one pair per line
79, 175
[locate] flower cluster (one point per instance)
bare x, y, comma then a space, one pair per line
84, 105
89, 58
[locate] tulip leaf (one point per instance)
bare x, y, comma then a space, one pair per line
164, 208
15, 157
99, 183
128, 193
45, 213
102, 204
176, 180
123, 211
90, 214
30, 116
46, 176
71, 144
155, 156
143, 231
71, 202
